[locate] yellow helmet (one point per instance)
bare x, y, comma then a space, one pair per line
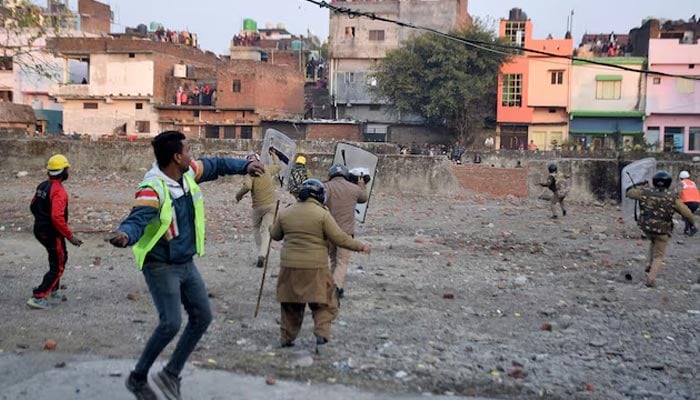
57, 162
301, 160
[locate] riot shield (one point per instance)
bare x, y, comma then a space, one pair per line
360, 162
637, 172
285, 148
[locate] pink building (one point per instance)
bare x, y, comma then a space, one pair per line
673, 104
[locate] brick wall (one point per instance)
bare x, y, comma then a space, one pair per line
498, 182
350, 132
95, 17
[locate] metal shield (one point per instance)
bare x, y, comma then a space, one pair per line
637, 172
354, 157
286, 150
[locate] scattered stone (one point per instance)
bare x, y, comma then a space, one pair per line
22, 174
270, 380
60, 364
132, 296
448, 296
115, 374
303, 361
501, 285
600, 236
599, 229
401, 375
546, 327
520, 281
50, 345
590, 387
598, 343
517, 373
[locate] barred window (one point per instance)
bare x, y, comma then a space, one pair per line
512, 90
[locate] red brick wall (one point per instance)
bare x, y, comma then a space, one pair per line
498, 182
349, 132
95, 17
274, 91
289, 59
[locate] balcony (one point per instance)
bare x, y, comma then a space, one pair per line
70, 90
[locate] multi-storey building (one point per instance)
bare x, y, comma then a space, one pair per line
26, 71
673, 103
138, 86
357, 44
607, 103
533, 89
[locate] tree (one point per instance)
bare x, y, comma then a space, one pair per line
447, 82
24, 27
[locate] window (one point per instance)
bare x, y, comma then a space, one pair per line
143, 126
6, 95
236, 85
139, 106
685, 86
657, 81
515, 33
229, 132
512, 90
673, 139
377, 35
691, 66
6, 63
557, 77
608, 90
90, 106
132, 55
694, 138
349, 77
195, 113
349, 32
246, 132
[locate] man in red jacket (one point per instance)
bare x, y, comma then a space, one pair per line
50, 209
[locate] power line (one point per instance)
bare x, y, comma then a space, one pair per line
486, 46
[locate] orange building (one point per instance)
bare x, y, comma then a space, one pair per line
533, 89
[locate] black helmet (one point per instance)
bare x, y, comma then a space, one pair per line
662, 180
338, 170
552, 167
312, 188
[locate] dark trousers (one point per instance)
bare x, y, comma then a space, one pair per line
171, 284
693, 206
58, 256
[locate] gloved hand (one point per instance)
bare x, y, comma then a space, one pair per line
366, 178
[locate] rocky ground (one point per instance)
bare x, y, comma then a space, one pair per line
462, 295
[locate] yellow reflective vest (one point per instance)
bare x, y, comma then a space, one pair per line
157, 227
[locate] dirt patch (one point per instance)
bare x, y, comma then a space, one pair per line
462, 294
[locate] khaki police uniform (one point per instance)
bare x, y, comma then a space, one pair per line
341, 198
304, 276
262, 190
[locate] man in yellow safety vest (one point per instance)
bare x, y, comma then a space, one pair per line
165, 229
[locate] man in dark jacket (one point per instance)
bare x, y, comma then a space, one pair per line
50, 209
166, 229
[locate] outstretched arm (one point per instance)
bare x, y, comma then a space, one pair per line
209, 169
145, 209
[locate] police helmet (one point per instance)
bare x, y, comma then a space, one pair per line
684, 175
662, 180
552, 167
338, 170
312, 188
253, 156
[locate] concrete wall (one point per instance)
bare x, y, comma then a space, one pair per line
108, 116
95, 17
497, 175
411, 174
541, 91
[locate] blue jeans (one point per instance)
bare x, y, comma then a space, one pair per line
169, 285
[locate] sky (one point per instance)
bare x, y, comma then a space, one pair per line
216, 21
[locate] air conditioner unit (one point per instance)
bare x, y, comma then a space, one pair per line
180, 71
